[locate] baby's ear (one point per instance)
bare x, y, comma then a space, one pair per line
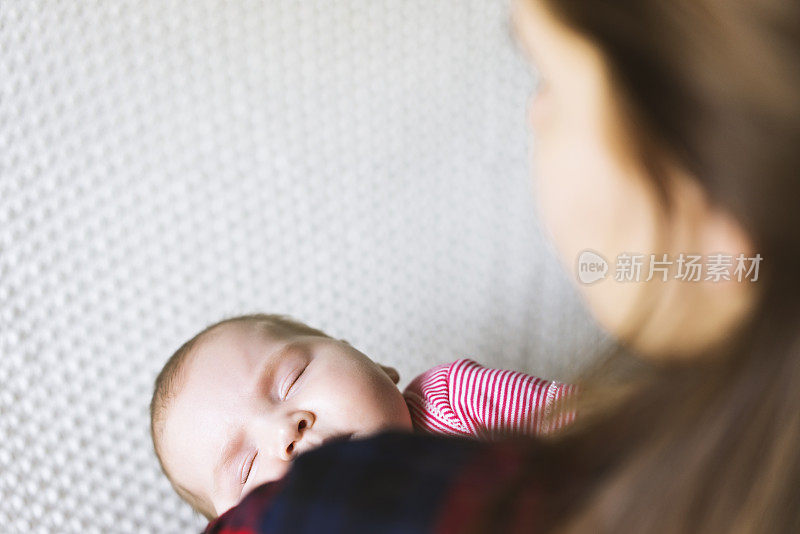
391, 372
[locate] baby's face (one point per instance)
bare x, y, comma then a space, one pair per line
248, 403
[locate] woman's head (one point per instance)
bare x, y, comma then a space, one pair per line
666, 128
673, 127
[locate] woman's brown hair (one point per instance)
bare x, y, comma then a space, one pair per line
711, 446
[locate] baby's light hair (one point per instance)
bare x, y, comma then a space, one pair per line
170, 378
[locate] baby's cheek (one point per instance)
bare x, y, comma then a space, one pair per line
391, 408
271, 471
363, 407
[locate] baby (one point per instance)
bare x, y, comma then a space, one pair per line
236, 403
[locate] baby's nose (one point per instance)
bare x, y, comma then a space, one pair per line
294, 434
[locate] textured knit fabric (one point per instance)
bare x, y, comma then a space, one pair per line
467, 399
396, 483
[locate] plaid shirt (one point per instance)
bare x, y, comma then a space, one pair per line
401, 483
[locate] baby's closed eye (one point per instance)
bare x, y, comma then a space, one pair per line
290, 380
247, 467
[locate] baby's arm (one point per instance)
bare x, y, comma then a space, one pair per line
497, 402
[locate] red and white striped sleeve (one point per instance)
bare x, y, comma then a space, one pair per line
465, 398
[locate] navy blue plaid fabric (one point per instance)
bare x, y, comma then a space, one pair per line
392, 483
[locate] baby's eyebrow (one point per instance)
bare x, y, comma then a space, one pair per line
266, 374
226, 455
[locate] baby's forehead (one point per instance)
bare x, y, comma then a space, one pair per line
218, 370
232, 347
